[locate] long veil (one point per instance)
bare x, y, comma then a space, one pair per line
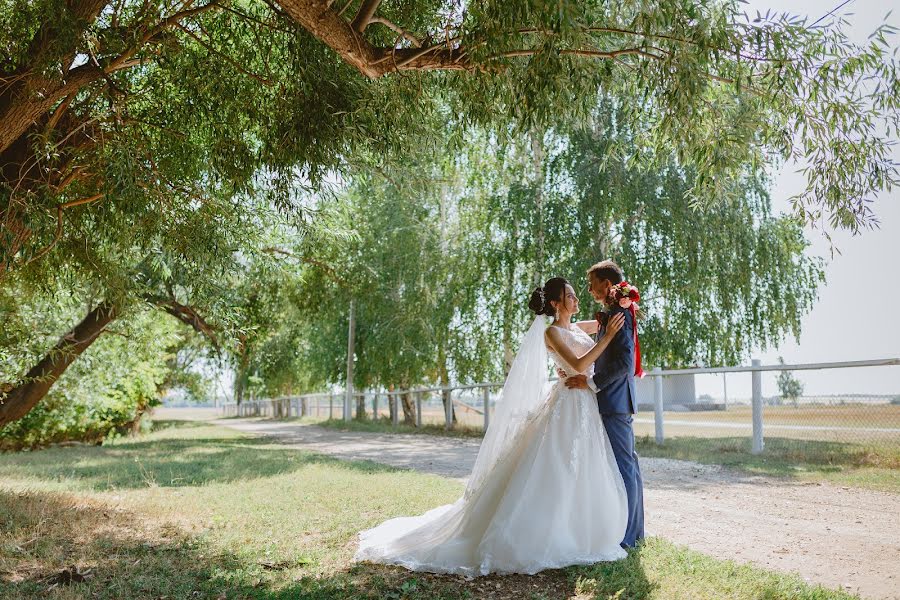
523, 393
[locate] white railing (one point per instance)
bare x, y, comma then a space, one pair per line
311, 405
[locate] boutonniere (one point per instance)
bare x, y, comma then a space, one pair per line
625, 294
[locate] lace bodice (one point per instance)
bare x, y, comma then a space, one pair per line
579, 342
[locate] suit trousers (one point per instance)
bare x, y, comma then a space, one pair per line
620, 431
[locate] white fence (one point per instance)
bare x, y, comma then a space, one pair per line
477, 399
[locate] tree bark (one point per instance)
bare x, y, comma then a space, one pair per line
361, 407
37, 382
33, 93
326, 25
409, 409
240, 376
444, 374
537, 164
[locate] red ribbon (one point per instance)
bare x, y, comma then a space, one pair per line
638, 371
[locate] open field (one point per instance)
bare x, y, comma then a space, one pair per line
198, 511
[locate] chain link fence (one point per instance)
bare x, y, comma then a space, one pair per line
756, 404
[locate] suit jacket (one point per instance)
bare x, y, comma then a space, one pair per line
614, 370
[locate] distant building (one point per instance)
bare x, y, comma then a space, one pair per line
678, 390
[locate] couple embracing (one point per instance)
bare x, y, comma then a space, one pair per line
556, 481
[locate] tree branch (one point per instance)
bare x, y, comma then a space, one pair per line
328, 269
59, 224
187, 315
229, 60
364, 15
399, 30
330, 28
590, 53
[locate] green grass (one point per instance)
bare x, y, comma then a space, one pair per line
872, 466
198, 511
384, 425
875, 465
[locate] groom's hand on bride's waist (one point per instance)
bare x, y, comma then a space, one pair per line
576, 382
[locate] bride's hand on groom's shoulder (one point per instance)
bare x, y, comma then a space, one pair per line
614, 324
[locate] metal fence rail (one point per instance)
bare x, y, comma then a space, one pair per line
472, 405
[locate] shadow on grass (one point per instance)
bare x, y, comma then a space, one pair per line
171, 462
119, 555
123, 556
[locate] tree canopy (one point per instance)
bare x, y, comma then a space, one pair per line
182, 156
446, 252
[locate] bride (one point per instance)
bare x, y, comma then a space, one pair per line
545, 491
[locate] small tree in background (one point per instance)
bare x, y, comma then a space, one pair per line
789, 386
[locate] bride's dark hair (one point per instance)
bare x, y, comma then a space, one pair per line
554, 289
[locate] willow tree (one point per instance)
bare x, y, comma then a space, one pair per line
150, 182
399, 268
716, 282
449, 247
102, 101
134, 129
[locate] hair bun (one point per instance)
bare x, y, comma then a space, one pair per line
536, 302
554, 290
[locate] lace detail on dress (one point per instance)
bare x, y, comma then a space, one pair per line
579, 342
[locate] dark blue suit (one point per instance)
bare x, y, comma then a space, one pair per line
616, 399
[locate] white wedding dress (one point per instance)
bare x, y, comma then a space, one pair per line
551, 497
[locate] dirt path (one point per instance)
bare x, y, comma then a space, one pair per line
840, 537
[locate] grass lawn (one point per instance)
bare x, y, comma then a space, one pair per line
874, 465
199, 511
384, 425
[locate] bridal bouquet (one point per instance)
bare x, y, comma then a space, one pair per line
625, 294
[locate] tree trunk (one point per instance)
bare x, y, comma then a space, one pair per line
445, 381
409, 409
240, 375
361, 407
509, 311
537, 153
37, 382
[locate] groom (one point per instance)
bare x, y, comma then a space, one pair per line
613, 382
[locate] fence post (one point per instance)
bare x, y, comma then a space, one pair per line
658, 405
448, 411
419, 409
487, 407
393, 398
330, 406
756, 381
375, 406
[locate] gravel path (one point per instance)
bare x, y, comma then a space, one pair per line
837, 536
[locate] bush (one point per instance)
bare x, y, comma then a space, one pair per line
106, 391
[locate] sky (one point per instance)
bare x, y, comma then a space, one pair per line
841, 327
